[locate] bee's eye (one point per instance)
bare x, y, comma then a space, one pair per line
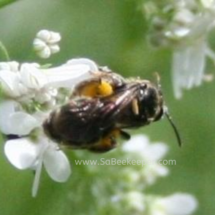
142, 91
150, 96
148, 101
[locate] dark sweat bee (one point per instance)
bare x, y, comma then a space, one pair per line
101, 108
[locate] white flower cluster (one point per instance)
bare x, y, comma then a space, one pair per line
129, 194
139, 148
184, 26
29, 93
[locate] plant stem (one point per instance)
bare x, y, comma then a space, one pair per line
4, 51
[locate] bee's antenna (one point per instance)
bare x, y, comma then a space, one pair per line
157, 76
174, 128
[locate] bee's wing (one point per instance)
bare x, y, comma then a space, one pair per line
115, 104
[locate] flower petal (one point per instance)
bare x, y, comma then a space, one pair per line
54, 37
9, 66
22, 153
21, 123
137, 144
197, 61
54, 48
39, 45
16, 122
9, 82
57, 164
83, 61
188, 67
44, 35
155, 151
67, 75
178, 72
6, 109
45, 53
32, 77
180, 204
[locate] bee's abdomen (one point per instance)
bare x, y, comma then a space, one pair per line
75, 124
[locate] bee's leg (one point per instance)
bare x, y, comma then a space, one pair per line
107, 143
125, 135
135, 107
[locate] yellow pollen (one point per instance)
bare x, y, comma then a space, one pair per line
108, 140
96, 89
104, 89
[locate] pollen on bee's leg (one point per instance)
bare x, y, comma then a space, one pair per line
110, 139
107, 143
104, 88
97, 88
89, 90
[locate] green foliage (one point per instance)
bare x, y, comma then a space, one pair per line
6, 2
112, 33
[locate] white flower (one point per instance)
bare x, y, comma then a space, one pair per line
29, 81
23, 153
189, 57
140, 148
46, 43
184, 26
176, 204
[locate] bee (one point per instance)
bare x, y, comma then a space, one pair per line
101, 108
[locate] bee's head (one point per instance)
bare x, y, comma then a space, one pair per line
151, 104
150, 101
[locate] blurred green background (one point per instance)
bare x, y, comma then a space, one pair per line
113, 33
